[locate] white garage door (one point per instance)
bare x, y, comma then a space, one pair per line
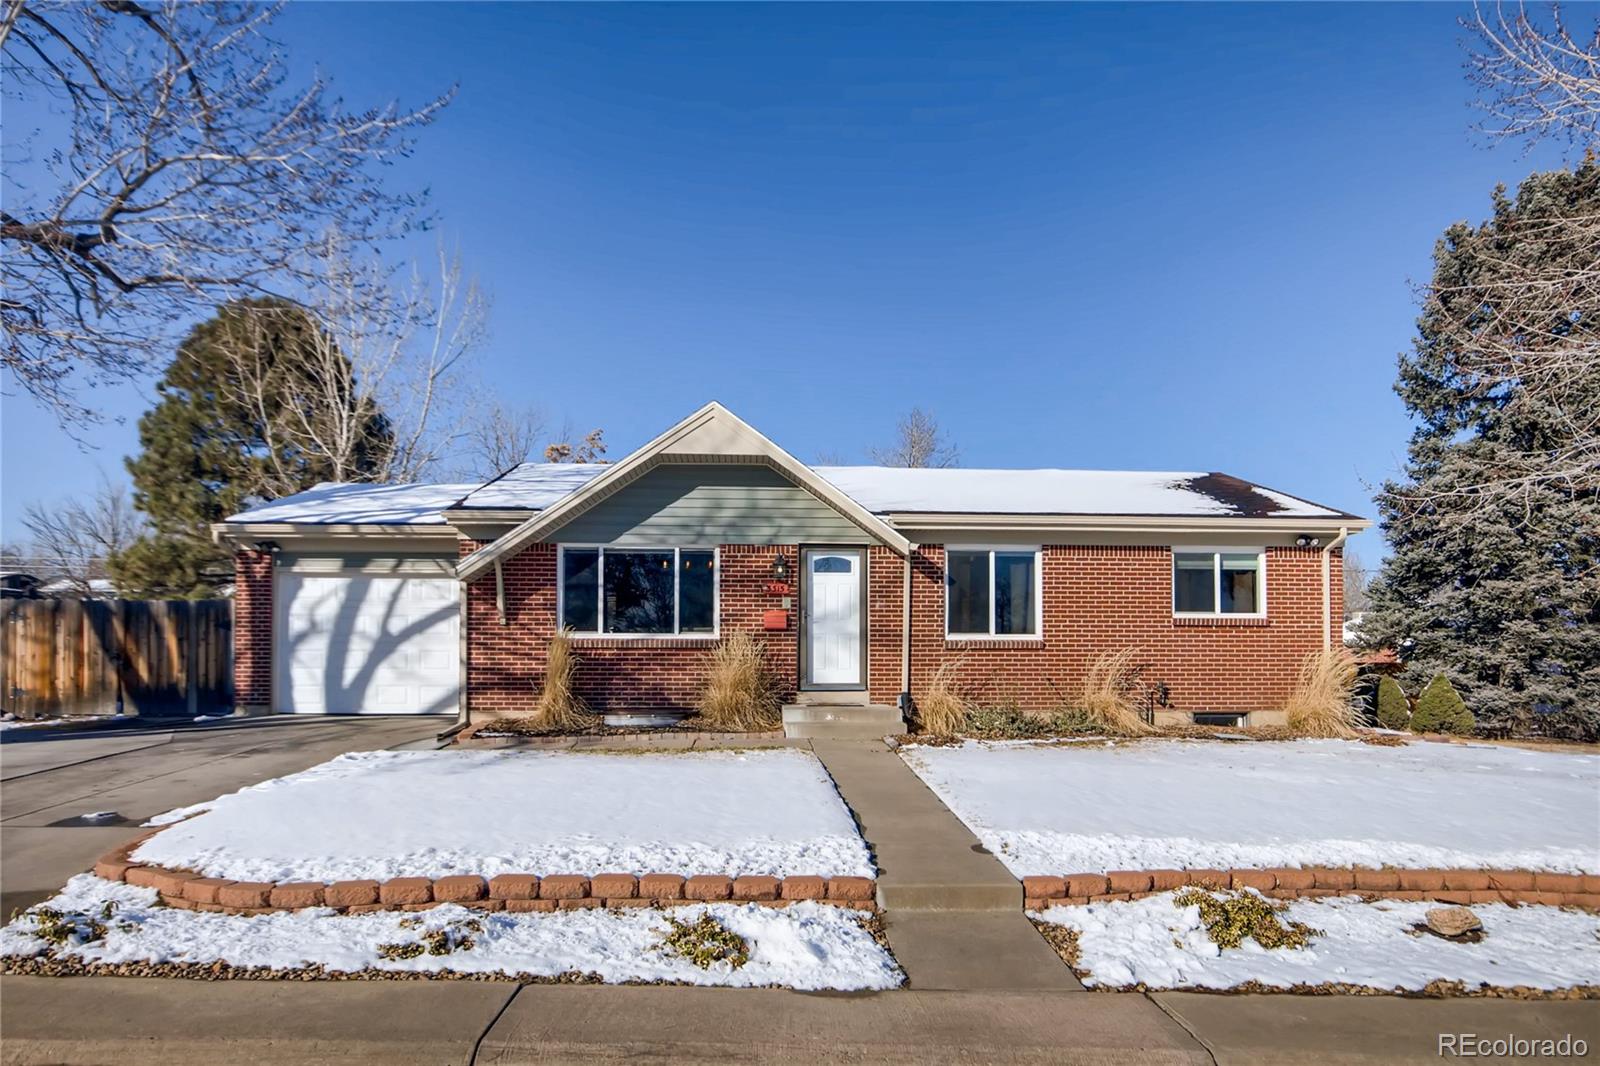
366, 645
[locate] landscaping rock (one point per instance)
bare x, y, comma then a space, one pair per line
1453, 923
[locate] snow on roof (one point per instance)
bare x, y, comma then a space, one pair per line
880, 489
889, 490
337, 503
532, 486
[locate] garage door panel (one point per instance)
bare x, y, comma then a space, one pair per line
362, 644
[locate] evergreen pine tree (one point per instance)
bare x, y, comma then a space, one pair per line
1440, 709
1497, 591
1394, 711
205, 445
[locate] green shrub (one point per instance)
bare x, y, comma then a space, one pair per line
1230, 920
1394, 710
705, 942
1441, 710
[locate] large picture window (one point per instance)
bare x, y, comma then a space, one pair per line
992, 592
655, 591
1220, 582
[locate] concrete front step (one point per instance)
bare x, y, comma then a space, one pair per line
841, 722
832, 698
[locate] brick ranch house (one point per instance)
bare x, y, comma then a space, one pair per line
862, 581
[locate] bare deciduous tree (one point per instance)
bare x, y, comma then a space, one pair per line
189, 172
375, 349
500, 437
918, 442
1536, 80
591, 449
72, 541
1356, 579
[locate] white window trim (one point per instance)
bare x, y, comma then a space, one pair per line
1216, 554
715, 632
1038, 591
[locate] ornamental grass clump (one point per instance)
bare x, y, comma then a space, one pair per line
943, 707
1319, 704
1230, 920
1104, 700
560, 708
1394, 710
1440, 709
705, 942
740, 694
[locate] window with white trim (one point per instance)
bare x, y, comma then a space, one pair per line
992, 592
1219, 582
639, 591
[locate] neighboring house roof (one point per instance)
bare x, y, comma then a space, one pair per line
98, 586
333, 503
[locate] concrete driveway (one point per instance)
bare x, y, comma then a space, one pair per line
49, 780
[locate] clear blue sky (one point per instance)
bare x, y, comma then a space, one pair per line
1155, 237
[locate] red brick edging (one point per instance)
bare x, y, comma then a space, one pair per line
187, 890
1445, 886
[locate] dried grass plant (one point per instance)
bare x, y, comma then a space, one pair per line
1105, 698
560, 708
943, 707
1319, 704
740, 694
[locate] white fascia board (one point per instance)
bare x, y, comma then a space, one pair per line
231, 533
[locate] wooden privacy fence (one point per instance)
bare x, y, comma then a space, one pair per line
148, 657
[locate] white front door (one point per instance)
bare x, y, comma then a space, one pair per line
833, 617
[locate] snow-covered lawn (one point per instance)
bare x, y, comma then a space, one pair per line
1154, 942
1097, 806
807, 945
435, 813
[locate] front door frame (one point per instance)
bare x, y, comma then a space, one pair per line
806, 551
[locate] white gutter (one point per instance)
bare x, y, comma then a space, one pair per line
905, 626
1327, 585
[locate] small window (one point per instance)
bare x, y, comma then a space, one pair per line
657, 592
1232, 721
831, 564
1218, 582
992, 592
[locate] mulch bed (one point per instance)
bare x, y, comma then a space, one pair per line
1064, 942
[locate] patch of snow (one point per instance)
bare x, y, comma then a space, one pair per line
533, 486
97, 816
1060, 809
805, 946
887, 490
336, 503
433, 813
1153, 941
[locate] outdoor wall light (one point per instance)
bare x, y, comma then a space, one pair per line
268, 546
1306, 540
780, 569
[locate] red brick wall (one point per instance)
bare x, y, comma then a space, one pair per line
1099, 599
505, 663
252, 629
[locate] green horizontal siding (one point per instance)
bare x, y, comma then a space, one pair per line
694, 503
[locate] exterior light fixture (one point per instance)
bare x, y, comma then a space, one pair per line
268, 546
1306, 540
780, 568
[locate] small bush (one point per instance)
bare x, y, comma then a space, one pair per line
739, 693
1231, 920
1394, 710
943, 707
705, 942
1104, 701
560, 708
1319, 704
1440, 709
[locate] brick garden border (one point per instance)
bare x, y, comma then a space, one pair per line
187, 890
1443, 886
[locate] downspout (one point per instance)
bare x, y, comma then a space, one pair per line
1327, 585
905, 631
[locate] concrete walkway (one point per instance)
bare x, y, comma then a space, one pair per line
952, 911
